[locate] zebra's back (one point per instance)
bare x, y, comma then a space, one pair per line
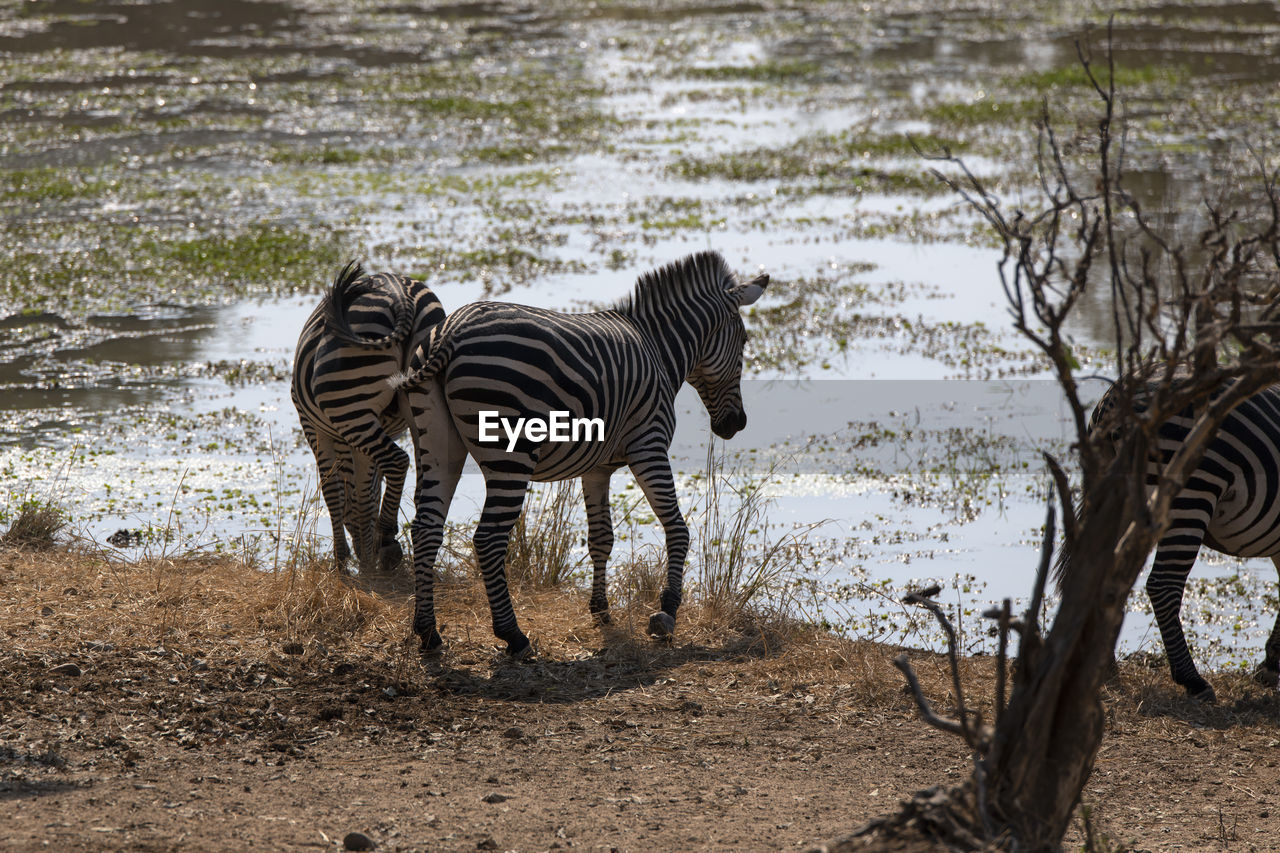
1237, 484
519, 362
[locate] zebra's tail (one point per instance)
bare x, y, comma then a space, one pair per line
435, 354
349, 284
1061, 571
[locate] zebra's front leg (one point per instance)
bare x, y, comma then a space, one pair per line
654, 476
505, 489
1268, 672
595, 494
1165, 585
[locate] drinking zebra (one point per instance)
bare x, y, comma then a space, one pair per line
1231, 503
622, 366
358, 337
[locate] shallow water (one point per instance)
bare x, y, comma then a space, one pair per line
145, 381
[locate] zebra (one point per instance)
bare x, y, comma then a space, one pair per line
1231, 503
359, 335
623, 366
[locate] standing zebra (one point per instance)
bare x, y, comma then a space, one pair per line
358, 337
1231, 503
622, 366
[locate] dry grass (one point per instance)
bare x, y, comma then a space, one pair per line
53, 602
197, 603
540, 552
540, 549
36, 526
743, 566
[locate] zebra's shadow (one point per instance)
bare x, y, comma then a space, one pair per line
622, 663
574, 660
1241, 702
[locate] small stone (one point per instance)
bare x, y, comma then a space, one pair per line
487, 843
358, 841
66, 669
495, 798
46, 611
514, 733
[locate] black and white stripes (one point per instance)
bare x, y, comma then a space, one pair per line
359, 336
622, 366
1231, 503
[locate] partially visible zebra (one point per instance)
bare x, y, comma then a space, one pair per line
623, 366
1231, 503
360, 335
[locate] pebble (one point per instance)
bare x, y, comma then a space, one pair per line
495, 798
66, 669
358, 841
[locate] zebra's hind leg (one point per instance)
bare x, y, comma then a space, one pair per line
653, 473
1174, 557
505, 488
388, 550
335, 478
595, 494
387, 506
1268, 672
362, 508
377, 457
440, 455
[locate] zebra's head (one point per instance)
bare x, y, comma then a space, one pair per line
717, 373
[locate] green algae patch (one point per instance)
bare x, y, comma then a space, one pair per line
847, 161
42, 184
775, 71
107, 268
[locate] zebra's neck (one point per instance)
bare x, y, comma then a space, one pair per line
676, 334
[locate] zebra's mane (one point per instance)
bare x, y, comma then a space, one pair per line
693, 275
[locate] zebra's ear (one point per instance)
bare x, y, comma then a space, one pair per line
748, 293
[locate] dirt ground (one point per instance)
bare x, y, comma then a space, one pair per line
196, 705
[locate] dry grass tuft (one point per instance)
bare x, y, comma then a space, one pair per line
191, 603
36, 526
743, 567
540, 550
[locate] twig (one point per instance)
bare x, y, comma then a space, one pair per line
953, 657
927, 713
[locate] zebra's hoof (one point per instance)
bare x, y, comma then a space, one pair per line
519, 653
390, 556
432, 644
662, 625
1204, 695
601, 615
1266, 676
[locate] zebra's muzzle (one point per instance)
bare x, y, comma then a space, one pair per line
730, 425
